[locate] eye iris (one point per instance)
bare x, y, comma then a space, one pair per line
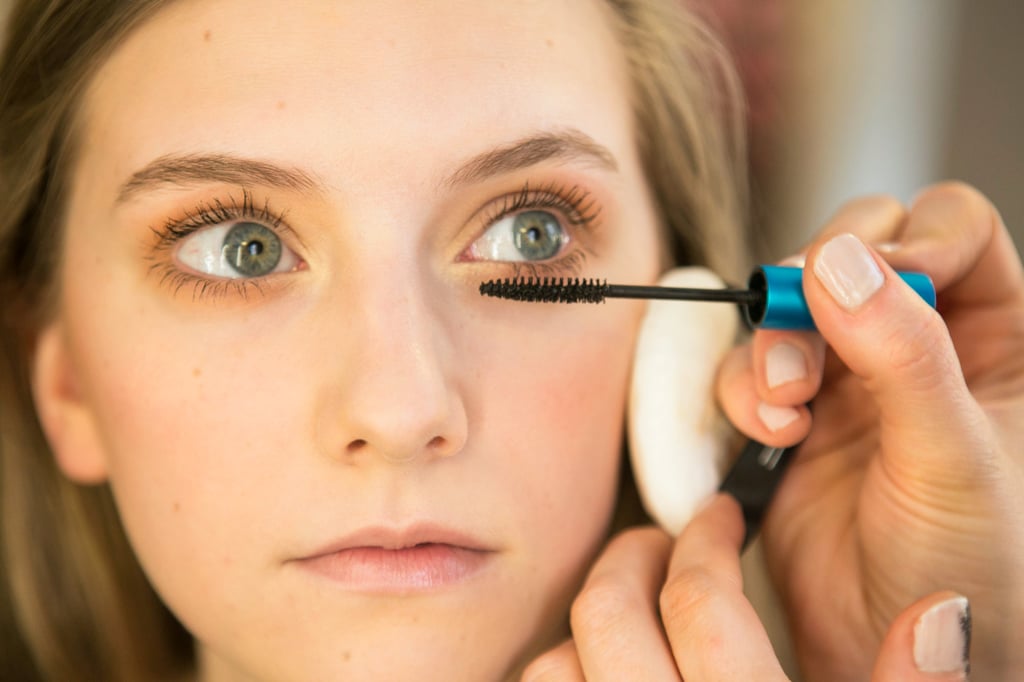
252, 249
537, 235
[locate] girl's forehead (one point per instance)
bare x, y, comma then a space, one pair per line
292, 77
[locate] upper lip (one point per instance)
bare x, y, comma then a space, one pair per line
387, 537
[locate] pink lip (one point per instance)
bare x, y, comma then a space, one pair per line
398, 561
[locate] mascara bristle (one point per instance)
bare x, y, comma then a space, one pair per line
546, 290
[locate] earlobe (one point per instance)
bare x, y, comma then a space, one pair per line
64, 414
676, 434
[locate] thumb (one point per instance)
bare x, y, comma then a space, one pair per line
902, 351
929, 641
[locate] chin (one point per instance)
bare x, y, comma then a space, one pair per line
391, 639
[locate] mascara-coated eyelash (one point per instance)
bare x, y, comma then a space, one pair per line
535, 230
218, 215
216, 212
576, 204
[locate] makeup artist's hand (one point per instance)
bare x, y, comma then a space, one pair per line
707, 630
911, 479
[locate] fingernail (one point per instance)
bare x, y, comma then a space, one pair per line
845, 267
887, 247
942, 637
775, 417
783, 363
797, 261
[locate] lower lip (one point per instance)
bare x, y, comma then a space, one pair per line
411, 569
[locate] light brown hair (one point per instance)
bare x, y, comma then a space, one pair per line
74, 603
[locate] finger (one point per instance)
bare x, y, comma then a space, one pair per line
930, 641
899, 346
561, 664
788, 365
786, 370
777, 425
714, 632
614, 619
957, 236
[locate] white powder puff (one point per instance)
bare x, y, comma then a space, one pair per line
676, 433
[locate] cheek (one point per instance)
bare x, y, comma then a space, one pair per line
187, 420
559, 426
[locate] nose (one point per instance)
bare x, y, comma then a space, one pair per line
395, 395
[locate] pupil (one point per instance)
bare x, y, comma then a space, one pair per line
254, 248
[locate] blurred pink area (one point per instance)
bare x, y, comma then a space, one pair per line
753, 30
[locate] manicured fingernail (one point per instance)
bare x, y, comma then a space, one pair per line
845, 267
775, 417
783, 363
887, 247
942, 637
797, 261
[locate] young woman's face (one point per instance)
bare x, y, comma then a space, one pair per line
334, 458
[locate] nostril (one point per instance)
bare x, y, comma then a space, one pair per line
439, 446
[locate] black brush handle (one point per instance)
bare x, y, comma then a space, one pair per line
753, 480
741, 296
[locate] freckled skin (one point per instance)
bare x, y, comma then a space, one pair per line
373, 386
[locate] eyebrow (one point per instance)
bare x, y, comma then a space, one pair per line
190, 169
562, 145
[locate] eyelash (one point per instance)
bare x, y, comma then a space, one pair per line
208, 214
573, 203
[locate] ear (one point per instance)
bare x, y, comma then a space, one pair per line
677, 436
66, 417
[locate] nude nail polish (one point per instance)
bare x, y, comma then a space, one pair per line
775, 417
784, 363
848, 271
942, 637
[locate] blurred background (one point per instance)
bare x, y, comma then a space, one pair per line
848, 98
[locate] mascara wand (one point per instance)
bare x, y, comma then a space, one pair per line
773, 299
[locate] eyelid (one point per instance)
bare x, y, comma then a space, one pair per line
213, 212
577, 208
578, 204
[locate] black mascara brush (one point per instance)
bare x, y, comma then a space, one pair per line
773, 299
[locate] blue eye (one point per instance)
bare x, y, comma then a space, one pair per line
236, 250
527, 236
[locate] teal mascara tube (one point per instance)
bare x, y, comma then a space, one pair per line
782, 304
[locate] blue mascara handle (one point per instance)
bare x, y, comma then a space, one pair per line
784, 305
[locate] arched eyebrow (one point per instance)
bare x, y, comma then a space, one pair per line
562, 145
191, 169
